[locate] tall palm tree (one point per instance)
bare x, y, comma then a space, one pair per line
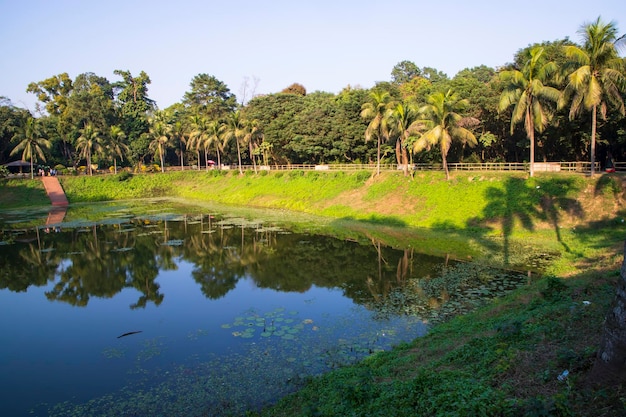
235, 129
180, 131
89, 142
160, 134
252, 134
598, 76
404, 120
200, 137
215, 136
444, 124
527, 92
375, 111
115, 144
30, 135
197, 134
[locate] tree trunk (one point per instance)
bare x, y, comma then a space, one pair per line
609, 368
593, 139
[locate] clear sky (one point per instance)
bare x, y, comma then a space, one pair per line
324, 45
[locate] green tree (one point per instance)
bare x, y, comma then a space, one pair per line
527, 91
375, 111
404, 71
160, 135
210, 97
444, 124
598, 78
88, 143
31, 142
404, 120
236, 129
116, 145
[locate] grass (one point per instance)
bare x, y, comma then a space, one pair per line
18, 193
502, 360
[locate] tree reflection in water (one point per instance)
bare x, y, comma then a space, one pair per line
101, 259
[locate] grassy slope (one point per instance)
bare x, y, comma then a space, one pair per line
501, 360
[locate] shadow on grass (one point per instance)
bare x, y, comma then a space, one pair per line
521, 203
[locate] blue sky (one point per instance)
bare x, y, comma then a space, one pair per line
323, 45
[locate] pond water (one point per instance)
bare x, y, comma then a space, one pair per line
161, 310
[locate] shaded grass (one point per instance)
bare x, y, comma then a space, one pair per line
16, 193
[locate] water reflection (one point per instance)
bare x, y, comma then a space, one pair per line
273, 306
101, 259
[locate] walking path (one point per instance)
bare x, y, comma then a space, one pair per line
55, 191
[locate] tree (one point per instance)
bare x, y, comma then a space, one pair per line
404, 71
31, 142
159, 133
133, 105
215, 134
235, 129
444, 124
404, 120
527, 92
115, 144
210, 97
295, 88
375, 111
180, 131
598, 77
88, 143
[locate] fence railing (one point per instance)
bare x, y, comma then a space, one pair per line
457, 166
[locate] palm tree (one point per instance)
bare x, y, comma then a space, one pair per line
88, 143
444, 124
180, 131
253, 132
405, 122
116, 145
235, 128
159, 132
527, 91
375, 111
215, 136
598, 75
200, 137
31, 142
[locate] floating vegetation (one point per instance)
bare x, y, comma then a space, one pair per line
113, 353
275, 323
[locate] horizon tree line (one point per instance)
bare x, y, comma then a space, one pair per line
554, 90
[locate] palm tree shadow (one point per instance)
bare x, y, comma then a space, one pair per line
523, 203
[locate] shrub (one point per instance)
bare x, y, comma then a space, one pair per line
124, 175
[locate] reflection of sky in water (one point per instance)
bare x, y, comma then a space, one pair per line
53, 352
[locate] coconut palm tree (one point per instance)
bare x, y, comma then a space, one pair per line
89, 142
527, 92
160, 134
115, 144
404, 121
375, 110
215, 134
31, 142
180, 131
598, 76
444, 124
235, 129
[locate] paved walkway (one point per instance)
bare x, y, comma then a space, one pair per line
55, 191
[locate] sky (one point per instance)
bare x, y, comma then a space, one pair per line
322, 44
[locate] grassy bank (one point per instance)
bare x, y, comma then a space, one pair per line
572, 219
503, 360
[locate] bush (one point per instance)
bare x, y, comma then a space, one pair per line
124, 175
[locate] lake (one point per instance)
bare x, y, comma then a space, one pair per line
162, 309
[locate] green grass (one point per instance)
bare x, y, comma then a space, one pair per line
16, 193
502, 360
